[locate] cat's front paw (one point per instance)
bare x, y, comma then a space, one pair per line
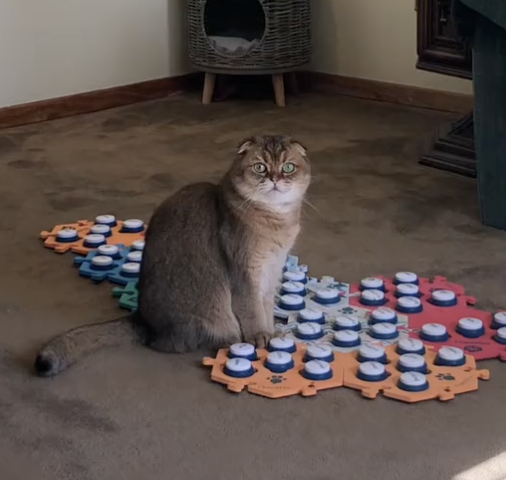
260, 340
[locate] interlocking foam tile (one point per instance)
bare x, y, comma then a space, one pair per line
85, 264
426, 285
288, 325
444, 382
481, 348
128, 296
83, 228
266, 383
114, 272
288, 320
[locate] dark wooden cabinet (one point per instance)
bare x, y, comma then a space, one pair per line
441, 51
439, 48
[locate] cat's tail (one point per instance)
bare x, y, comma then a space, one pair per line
64, 350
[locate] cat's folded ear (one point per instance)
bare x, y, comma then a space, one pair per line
245, 146
299, 147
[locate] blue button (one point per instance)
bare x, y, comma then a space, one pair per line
443, 298
372, 283
282, 344
343, 322
372, 372
383, 315
450, 357
67, 235
470, 327
279, 362
327, 296
499, 320
309, 331
407, 290
109, 220
500, 336
319, 352
408, 304
406, 277
413, 382
384, 331
102, 262
99, 229
410, 345
317, 370
295, 276
239, 368
242, 350
346, 339
434, 332
372, 353
412, 362
292, 302
132, 226
311, 315
94, 240
297, 288
372, 298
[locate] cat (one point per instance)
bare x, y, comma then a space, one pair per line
213, 257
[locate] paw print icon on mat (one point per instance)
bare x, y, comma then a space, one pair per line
473, 348
277, 379
348, 311
445, 376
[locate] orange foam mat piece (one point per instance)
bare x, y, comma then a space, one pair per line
274, 385
83, 228
444, 382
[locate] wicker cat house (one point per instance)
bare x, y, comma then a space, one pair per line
249, 37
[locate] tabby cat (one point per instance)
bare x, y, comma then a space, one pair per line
213, 257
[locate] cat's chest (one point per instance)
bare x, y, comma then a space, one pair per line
269, 256
270, 268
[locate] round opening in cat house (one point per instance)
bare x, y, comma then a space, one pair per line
234, 27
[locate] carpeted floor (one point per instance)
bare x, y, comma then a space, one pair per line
134, 414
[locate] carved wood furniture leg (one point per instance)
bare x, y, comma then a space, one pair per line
453, 148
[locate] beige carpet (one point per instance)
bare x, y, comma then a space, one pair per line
133, 414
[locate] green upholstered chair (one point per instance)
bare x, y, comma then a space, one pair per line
483, 22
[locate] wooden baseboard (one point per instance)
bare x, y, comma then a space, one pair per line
88, 102
390, 92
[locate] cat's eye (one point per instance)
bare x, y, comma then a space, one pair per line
259, 168
288, 168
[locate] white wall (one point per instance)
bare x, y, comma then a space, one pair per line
373, 39
51, 48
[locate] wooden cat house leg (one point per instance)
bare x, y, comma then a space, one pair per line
209, 82
279, 89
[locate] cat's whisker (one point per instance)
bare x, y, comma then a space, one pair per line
247, 202
243, 207
307, 202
